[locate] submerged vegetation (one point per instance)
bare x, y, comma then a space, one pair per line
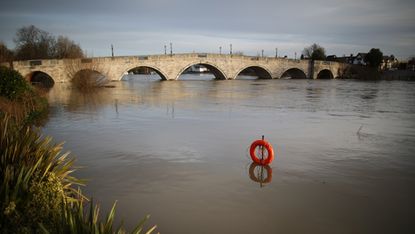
84, 76
38, 193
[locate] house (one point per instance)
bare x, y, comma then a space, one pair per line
388, 62
331, 58
343, 59
359, 59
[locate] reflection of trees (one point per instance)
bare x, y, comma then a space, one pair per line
90, 101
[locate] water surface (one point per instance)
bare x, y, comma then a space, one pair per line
178, 150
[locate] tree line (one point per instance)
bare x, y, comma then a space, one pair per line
315, 52
34, 43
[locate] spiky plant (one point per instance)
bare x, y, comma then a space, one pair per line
76, 220
35, 178
37, 192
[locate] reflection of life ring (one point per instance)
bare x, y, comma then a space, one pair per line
257, 159
261, 178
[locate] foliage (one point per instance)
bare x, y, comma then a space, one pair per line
359, 72
37, 194
88, 80
76, 220
315, 52
66, 48
36, 178
12, 84
374, 58
6, 55
85, 77
34, 43
17, 98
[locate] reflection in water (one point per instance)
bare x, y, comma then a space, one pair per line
88, 101
173, 150
261, 174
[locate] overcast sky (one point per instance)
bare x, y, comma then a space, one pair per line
138, 27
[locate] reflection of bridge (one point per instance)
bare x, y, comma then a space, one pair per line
170, 67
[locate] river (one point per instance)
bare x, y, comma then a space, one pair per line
178, 150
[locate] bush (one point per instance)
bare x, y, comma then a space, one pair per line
12, 84
35, 176
19, 99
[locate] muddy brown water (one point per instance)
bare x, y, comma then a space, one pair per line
178, 150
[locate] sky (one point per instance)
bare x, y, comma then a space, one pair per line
142, 27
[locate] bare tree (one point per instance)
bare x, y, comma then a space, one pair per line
66, 48
6, 55
86, 75
33, 43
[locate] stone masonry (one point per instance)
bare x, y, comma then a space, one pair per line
170, 67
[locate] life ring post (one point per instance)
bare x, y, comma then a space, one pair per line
264, 146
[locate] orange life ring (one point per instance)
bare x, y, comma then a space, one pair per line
254, 177
267, 146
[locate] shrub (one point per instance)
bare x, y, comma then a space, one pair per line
19, 99
12, 84
35, 178
36, 192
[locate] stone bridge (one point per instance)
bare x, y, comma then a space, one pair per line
170, 67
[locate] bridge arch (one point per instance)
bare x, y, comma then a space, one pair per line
88, 77
325, 74
152, 68
261, 72
294, 73
40, 78
215, 70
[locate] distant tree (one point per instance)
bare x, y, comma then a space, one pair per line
374, 58
6, 55
314, 52
66, 48
34, 43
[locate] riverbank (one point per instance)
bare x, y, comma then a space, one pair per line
25, 104
398, 75
367, 73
